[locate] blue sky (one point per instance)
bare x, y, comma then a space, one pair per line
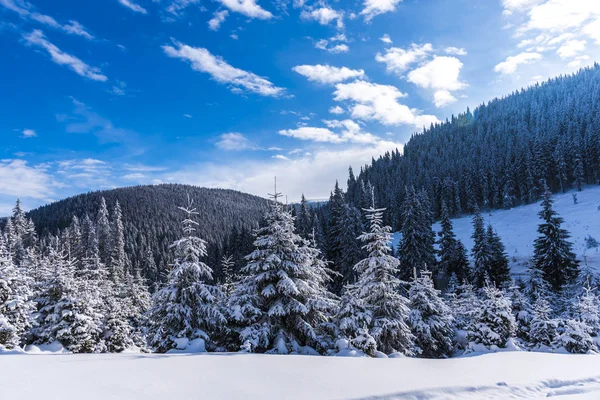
229, 93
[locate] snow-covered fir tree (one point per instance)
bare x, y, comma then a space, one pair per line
452, 253
494, 322
521, 309
481, 252
281, 301
552, 251
378, 288
416, 247
430, 318
227, 265
352, 314
574, 336
588, 310
186, 308
16, 307
497, 270
542, 328
117, 259
104, 232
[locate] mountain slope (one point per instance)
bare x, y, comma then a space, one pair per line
495, 156
517, 228
151, 217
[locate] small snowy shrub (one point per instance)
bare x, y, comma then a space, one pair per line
574, 336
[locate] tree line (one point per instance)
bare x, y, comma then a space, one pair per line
288, 297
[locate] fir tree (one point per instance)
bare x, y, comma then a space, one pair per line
430, 319
453, 255
117, 265
497, 270
481, 252
553, 252
542, 327
378, 288
352, 314
186, 308
104, 232
494, 322
279, 304
416, 247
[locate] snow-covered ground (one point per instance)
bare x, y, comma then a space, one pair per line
518, 227
251, 376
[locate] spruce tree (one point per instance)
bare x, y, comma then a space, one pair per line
117, 264
186, 308
430, 318
280, 303
498, 270
378, 288
104, 232
481, 252
494, 322
453, 255
542, 331
552, 251
416, 247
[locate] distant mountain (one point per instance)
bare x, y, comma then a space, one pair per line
151, 217
494, 156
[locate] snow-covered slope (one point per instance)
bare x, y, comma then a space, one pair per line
518, 227
251, 376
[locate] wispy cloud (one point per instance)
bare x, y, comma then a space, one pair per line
202, 60
248, 8
133, 6
373, 8
328, 74
234, 141
28, 133
27, 11
37, 38
217, 19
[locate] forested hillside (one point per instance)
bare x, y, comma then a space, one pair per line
152, 223
495, 156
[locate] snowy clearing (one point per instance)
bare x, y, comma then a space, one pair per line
517, 227
252, 376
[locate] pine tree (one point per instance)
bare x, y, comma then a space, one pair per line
227, 265
279, 303
16, 306
104, 233
498, 270
588, 310
453, 255
481, 251
542, 329
378, 288
416, 247
430, 319
117, 264
553, 252
494, 322
352, 314
186, 308
464, 305
574, 336
522, 311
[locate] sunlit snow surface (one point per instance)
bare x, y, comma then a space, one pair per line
248, 376
518, 227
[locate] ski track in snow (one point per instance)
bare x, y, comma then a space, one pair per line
517, 227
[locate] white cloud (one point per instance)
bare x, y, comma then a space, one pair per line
571, 48
248, 8
188, 116
176, 7
202, 60
371, 101
398, 60
324, 16
134, 177
234, 141
455, 51
339, 48
593, 30
340, 37
372, 8
133, 6
280, 157
336, 110
510, 65
518, 5
312, 174
327, 74
28, 133
559, 15
323, 135
18, 179
37, 38
442, 98
386, 39
25, 10
441, 73
218, 18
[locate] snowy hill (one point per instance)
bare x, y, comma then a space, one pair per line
251, 376
518, 227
